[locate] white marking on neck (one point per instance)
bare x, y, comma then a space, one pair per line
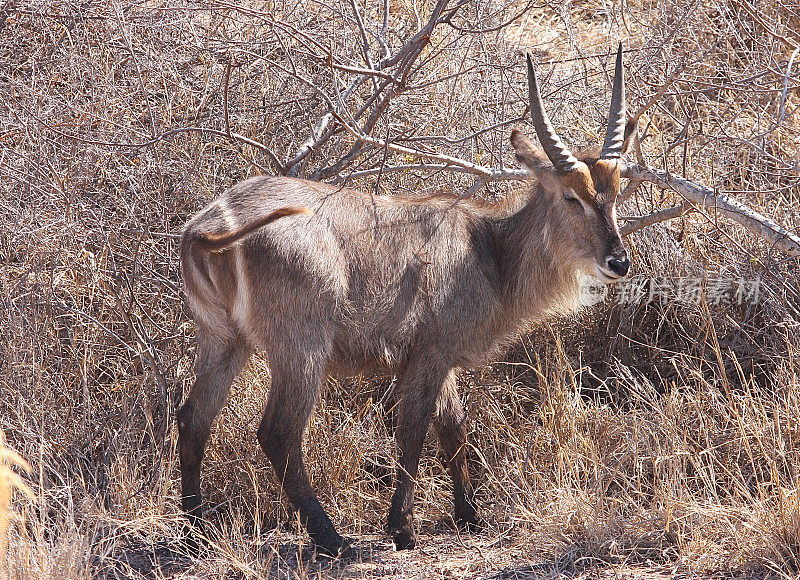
241, 304
546, 237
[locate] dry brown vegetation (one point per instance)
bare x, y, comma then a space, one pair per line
642, 437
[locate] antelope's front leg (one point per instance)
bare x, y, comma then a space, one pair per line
420, 387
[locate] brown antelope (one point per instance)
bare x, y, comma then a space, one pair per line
342, 282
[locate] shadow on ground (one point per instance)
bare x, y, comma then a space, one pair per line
284, 555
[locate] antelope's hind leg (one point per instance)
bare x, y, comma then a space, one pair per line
292, 395
216, 366
420, 386
450, 424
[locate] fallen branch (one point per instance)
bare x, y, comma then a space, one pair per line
694, 193
705, 197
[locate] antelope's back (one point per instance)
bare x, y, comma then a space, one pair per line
371, 271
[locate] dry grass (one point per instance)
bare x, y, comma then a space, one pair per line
9, 483
645, 438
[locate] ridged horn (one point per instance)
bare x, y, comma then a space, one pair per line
617, 115
561, 157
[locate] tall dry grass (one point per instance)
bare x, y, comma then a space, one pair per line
644, 435
10, 482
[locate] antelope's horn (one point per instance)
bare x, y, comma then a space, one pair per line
617, 116
561, 157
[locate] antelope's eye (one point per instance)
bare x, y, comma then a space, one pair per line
571, 199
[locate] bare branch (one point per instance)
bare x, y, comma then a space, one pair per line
782, 108
384, 28
226, 82
692, 192
475, 30
706, 197
754, 14
419, 40
150, 142
632, 187
431, 167
659, 216
364, 39
407, 55
447, 160
671, 80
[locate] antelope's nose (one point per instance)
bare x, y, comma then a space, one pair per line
619, 265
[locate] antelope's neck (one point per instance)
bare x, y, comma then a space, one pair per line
540, 279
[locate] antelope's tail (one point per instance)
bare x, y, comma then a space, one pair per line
218, 242
207, 306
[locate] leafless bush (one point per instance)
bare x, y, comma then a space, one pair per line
645, 430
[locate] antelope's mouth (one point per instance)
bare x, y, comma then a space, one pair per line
606, 276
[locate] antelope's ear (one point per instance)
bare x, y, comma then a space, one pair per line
631, 128
531, 155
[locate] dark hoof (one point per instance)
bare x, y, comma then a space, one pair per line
336, 547
324, 536
404, 539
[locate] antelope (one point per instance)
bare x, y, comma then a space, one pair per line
332, 281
